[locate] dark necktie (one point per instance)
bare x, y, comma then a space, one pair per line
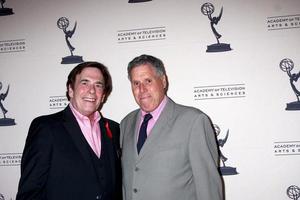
143, 132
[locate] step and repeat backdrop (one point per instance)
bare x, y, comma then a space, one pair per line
238, 61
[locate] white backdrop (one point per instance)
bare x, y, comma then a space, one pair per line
263, 143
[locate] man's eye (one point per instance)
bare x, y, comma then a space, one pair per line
83, 82
135, 83
100, 86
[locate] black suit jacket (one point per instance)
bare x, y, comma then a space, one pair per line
56, 162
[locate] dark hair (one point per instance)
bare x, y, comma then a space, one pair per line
78, 69
156, 63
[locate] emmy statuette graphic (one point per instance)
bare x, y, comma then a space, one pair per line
207, 9
225, 170
287, 65
5, 11
5, 121
63, 24
293, 192
2, 197
138, 1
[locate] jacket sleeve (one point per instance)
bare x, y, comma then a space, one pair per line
35, 162
204, 160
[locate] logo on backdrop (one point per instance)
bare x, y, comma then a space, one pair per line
10, 46
286, 148
293, 192
283, 22
5, 121
63, 23
219, 91
5, 11
58, 102
287, 66
10, 159
138, 1
225, 170
141, 34
208, 9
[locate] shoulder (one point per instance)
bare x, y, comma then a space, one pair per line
41, 128
130, 116
189, 112
48, 119
111, 122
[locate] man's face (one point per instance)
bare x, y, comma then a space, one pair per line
147, 87
88, 91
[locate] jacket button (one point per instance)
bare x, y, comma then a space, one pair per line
135, 190
136, 169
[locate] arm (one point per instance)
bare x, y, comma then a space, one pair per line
121, 147
204, 160
36, 161
115, 130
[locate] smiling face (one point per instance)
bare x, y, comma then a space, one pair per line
147, 86
88, 91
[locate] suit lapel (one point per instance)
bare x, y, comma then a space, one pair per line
74, 131
161, 126
132, 135
107, 148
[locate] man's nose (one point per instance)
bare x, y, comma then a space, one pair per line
92, 88
143, 88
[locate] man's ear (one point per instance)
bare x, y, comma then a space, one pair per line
70, 91
165, 82
103, 98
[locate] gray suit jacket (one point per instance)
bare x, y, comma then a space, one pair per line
179, 160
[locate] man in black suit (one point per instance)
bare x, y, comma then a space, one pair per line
74, 154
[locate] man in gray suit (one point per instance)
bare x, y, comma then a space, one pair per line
171, 155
